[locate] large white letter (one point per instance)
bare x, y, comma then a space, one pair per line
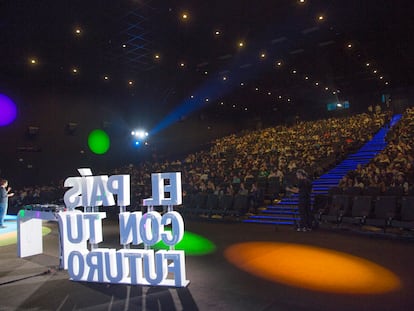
159, 190
120, 185
72, 197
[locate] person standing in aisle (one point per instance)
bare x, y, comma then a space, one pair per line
304, 190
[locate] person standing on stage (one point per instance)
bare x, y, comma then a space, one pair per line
4, 200
303, 189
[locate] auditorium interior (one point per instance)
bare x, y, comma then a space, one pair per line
160, 141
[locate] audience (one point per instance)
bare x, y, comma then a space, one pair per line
246, 163
392, 169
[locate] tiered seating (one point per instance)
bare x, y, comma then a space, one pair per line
321, 187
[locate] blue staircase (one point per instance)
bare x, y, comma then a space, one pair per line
286, 211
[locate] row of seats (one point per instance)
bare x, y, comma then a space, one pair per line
370, 190
212, 205
381, 211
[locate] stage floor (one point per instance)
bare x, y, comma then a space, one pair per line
252, 267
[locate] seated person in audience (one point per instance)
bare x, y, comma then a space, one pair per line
358, 182
229, 190
377, 182
242, 190
400, 182
249, 176
343, 183
400, 159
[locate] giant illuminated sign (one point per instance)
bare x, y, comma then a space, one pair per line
81, 232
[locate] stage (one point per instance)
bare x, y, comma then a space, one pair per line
243, 267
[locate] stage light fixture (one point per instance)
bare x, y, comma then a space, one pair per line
139, 134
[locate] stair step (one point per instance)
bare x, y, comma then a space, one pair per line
271, 217
276, 213
269, 222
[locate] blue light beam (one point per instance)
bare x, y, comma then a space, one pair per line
213, 89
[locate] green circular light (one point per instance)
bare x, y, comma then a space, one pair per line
192, 244
98, 141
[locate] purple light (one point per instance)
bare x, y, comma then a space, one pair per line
8, 110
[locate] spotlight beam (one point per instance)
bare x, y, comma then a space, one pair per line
213, 89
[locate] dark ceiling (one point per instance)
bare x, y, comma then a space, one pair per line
166, 61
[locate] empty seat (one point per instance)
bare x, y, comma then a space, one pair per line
406, 220
225, 203
200, 203
360, 211
240, 205
188, 203
321, 205
385, 210
339, 207
212, 203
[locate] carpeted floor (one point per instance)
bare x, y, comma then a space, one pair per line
249, 267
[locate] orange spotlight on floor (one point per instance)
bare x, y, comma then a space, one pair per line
312, 268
